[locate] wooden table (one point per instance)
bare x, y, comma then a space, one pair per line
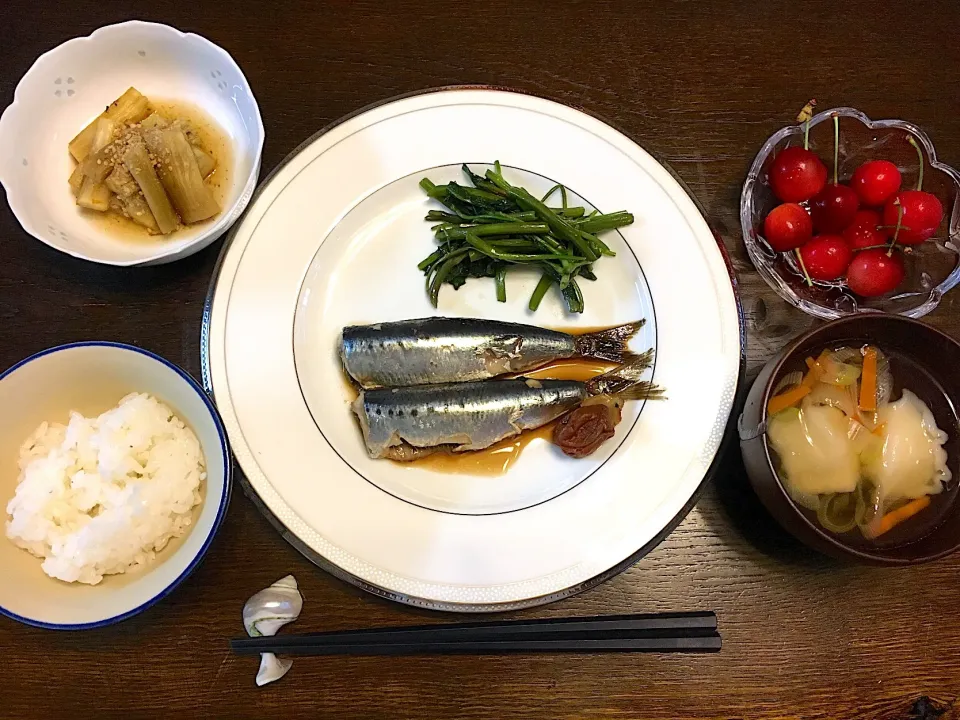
700, 84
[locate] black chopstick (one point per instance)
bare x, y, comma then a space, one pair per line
706, 643
654, 633
603, 627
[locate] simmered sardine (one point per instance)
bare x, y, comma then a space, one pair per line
474, 415
442, 350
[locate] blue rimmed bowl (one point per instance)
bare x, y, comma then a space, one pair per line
932, 268
92, 377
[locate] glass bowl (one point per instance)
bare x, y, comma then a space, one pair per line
932, 268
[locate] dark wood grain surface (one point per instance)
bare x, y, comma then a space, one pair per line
702, 85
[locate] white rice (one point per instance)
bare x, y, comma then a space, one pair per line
103, 495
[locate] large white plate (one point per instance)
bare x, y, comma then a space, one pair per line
334, 237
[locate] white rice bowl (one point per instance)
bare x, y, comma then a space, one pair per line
104, 495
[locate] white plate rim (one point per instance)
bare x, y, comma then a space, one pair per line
433, 604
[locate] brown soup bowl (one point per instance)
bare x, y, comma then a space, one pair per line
923, 360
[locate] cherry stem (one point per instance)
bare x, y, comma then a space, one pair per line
879, 247
803, 267
836, 146
919, 157
896, 232
805, 116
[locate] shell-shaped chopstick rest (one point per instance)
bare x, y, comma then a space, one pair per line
264, 614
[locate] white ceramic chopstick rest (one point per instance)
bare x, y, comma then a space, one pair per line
264, 614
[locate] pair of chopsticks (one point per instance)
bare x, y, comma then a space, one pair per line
664, 632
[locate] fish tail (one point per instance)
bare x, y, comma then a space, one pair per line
625, 382
643, 390
610, 344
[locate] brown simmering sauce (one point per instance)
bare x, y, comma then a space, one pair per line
500, 457
213, 139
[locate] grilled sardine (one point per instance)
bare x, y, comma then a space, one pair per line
442, 350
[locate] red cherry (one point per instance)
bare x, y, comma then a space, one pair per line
873, 272
922, 213
865, 217
876, 181
826, 257
862, 232
833, 208
788, 226
797, 174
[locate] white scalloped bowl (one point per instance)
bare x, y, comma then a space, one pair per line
70, 85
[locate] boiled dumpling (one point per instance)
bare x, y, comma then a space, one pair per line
815, 449
912, 462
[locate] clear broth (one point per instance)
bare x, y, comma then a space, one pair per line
920, 382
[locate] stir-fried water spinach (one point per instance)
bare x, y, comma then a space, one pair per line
491, 226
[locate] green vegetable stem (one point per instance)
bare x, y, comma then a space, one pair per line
490, 225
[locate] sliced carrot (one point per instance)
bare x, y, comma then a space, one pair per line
787, 399
868, 381
878, 430
815, 369
812, 377
895, 517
